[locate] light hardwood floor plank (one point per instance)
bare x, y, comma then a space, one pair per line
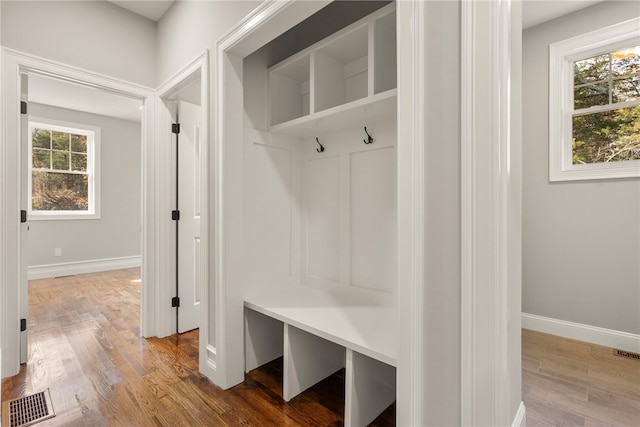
568, 382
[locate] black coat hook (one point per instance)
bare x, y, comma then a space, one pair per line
321, 149
369, 139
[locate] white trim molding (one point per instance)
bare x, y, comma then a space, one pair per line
46, 271
581, 332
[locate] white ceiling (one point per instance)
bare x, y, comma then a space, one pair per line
536, 12
66, 95
50, 91
151, 9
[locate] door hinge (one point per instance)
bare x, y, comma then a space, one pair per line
175, 128
23, 325
23, 216
23, 107
175, 215
175, 302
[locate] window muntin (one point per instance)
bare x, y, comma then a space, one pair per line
606, 80
594, 113
64, 170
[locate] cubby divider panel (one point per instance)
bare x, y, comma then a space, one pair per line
370, 388
308, 359
263, 339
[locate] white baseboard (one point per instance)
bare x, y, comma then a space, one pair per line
577, 331
520, 419
82, 267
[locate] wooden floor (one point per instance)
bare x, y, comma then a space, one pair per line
84, 345
572, 383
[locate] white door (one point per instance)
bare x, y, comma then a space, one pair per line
189, 181
24, 227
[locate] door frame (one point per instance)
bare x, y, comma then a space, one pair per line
200, 65
14, 64
488, 197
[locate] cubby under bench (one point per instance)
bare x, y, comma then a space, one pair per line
318, 332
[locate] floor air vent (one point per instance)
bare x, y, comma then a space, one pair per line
27, 410
627, 354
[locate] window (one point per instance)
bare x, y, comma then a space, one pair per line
594, 114
64, 170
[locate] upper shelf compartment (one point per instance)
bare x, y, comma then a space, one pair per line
341, 69
289, 89
344, 75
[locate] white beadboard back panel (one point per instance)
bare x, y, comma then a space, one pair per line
322, 217
271, 214
373, 219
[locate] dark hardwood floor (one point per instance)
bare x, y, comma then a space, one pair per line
84, 345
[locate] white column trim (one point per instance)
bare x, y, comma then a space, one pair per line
268, 20
411, 211
485, 122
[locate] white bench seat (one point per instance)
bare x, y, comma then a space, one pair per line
319, 332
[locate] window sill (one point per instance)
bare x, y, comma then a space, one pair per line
61, 216
626, 169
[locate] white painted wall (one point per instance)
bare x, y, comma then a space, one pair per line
190, 27
93, 35
117, 233
581, 240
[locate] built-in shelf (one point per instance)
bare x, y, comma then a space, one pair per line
361, 111
350, 74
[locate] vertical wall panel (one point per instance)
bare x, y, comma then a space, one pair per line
373, 219
197, 171
271, 211
322, 180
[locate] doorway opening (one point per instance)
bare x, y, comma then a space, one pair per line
182, 137
19, 67
81, 155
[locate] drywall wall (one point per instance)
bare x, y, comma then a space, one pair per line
581, 240
190, 27
94, 35
117, 233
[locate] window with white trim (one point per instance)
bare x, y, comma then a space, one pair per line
63, 170
594, 111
